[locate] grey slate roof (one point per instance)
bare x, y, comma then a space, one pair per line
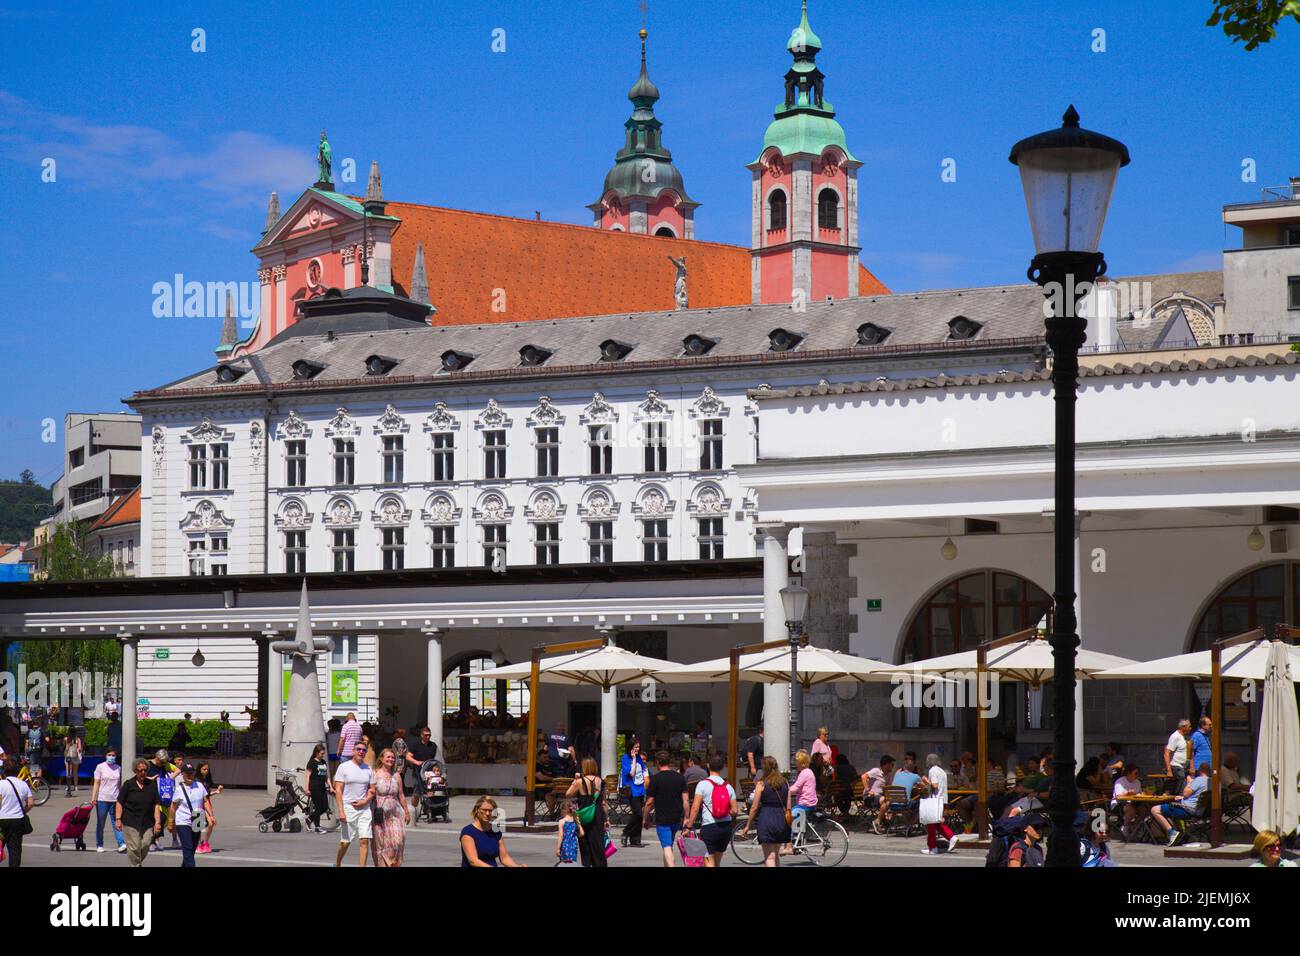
1012, 315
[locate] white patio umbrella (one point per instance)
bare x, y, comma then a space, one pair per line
1242, 662
1029, 660
1277, 771
815, 665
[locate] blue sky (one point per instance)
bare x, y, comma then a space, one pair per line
165, 157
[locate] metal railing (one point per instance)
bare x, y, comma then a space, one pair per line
1285, 193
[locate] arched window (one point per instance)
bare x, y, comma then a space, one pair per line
470, 689
776, 210
666, 232
828, 209
1263, 597
971, 609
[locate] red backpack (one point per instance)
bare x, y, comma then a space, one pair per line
720, 800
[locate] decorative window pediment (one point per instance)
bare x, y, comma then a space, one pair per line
653, 502
709, 405
206, 517
341, 513
390, 512
545, 414
391, 423
545, 506
598, 503
708, 499
342, 425
441, 419
598, 411
493, 416
293, 514
492, 507
205, 431
292, 427
440, 509
653, 408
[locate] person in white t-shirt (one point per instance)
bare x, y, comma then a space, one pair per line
936, 785
15, 803
354, 789
192, 808
1177, 756
1125, 784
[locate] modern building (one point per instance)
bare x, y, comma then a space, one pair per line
101, 460
1262, 278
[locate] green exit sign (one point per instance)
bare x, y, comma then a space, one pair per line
874, 604
162, 654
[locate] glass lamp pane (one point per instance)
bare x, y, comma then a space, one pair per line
1067, 192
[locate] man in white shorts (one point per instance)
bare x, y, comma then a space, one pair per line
354, 790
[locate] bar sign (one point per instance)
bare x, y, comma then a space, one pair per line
162, 653
874, 604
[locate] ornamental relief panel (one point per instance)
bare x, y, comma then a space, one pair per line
545, 506
391, 423
440, 509
492, 508
342, 425
598, 411
654, 502
390, 512
206, 517
293, 515
293, 427
598, 503
441, 419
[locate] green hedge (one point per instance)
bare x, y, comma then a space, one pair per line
156, 733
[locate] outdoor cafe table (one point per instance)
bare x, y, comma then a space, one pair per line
1144, 802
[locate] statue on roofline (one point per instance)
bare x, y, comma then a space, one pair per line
324, 157
679, 283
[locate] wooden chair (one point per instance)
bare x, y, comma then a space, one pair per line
901, 821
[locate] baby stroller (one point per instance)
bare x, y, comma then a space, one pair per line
291, 804
431, 785
72, 826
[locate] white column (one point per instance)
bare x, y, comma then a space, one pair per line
273, 719
434, 637
776, 697
130, 693
608, 718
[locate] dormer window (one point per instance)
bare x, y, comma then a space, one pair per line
783, 341
963, 328
533, 355
698, 344
379, 365
871, 334
612, 350
453, 361
229, 373
303, 370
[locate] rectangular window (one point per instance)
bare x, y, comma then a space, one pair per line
494, 536
295, 461
1293, 292
220, 467
600, 541
295, 552
345, 461
444, 546
76, 458
394, 548
711, 444
654, 538
345, 549
444, 456
1291, 235
394, 459
198, 557
219, 568
710, 538
602, 449
548, 452
548, 543
494, 454
344, 653
198, 466
656, 446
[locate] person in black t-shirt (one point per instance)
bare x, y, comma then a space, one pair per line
418, 751
753, 754
666, 796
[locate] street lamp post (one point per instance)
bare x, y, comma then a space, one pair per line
1068, 175
794, 601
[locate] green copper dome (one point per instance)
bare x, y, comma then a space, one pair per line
803, 32
805, 132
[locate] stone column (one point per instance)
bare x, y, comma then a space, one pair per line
608, 716
776, 697
433, 637
273, 719
130, 693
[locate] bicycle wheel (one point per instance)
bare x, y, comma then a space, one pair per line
40, 791
746, 849
826, 843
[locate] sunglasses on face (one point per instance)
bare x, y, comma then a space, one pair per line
1273, 848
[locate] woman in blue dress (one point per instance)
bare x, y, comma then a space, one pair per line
771, 803
481, 842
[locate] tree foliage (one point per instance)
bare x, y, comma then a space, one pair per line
70, 558
23, 505
1253, 22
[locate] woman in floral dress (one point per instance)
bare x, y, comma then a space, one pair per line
390, 798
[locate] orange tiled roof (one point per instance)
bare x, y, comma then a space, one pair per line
123, 510
551, 270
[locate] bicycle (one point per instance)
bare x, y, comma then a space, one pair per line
813, 835
40, 786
